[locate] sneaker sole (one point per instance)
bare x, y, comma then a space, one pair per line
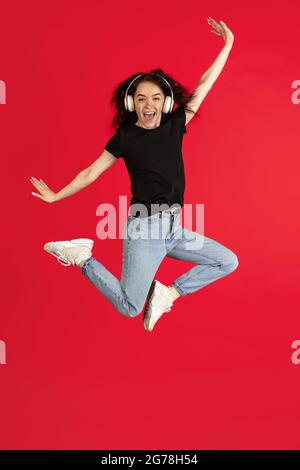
149, 296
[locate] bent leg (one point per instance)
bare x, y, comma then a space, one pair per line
213, 261
141, 259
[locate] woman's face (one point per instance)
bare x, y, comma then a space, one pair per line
148, 98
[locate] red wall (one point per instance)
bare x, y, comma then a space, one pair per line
217, 373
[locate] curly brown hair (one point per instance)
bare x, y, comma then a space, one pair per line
180, 94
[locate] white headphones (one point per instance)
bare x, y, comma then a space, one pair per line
169, 100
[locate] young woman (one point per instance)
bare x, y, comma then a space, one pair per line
149, 138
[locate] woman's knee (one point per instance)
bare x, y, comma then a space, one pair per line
131, 310
231, 262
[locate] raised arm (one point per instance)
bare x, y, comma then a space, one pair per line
211, 74
83, 179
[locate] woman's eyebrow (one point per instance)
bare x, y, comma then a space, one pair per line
145, 95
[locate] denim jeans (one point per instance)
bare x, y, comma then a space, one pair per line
146, 242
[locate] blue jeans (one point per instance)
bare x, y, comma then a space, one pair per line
146, 242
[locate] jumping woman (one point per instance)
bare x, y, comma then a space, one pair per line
148, 137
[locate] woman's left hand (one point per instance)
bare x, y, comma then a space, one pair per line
221, 30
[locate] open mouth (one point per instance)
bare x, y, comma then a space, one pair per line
149, 116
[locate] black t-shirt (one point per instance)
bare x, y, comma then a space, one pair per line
153, 158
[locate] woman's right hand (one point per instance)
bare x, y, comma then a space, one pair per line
46, 194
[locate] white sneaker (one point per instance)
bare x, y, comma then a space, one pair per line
70, 252
159, 302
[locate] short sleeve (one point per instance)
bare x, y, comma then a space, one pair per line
114, 145
179, 118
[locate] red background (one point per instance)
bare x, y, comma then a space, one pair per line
217, 372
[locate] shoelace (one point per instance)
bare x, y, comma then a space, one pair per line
61, 259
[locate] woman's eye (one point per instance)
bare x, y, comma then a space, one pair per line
141, 99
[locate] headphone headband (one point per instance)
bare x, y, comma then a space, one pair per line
128, 100
149, 74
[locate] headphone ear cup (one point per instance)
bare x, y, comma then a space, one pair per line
168, 105
130, 104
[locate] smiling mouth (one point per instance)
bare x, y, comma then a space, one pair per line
149, 116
